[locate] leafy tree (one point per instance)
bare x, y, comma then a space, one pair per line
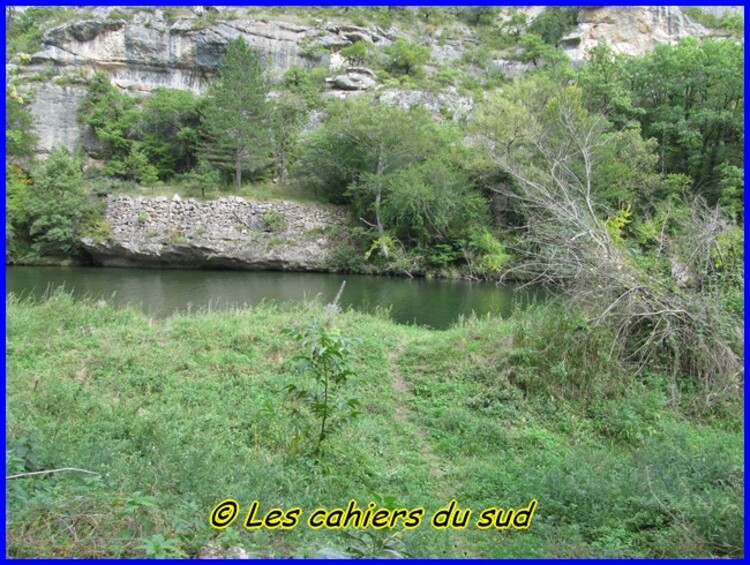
115, 120
357, 52
288, 116
203, 176
553, 23
17, 183
307, 84
235, 118
358, 148
170, 130
478, 15
536, 51
406, 58
327, 356
398, 170
19, 137
692, 96
58, 205
432, 203
606, 84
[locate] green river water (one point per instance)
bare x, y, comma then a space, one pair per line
161, 292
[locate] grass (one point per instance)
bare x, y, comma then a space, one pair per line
176, 415
289, 191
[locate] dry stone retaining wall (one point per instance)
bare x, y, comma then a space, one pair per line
223, 233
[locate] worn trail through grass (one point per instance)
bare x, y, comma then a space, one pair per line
404, 415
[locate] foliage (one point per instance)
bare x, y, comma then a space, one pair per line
406, 58
536, 51
170, 123
430, 203
478, 15
731, 20
58, 205
275, 221
203, 177
551, 147
116, 122
689, 97
235, 117
19, 137
288, 115
357, 52
398, 170
484, 253
24, 28
605, 83
553, 23
306, 84
17, 183
327, 357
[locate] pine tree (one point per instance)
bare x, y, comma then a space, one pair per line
235, 119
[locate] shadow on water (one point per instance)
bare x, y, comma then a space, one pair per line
162, 292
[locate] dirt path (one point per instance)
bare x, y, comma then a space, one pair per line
443, 490
404, 414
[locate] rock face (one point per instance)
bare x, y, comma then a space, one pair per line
225, 233
151, 53
629, 30
155, 48
449, 104
58, 106
355, 79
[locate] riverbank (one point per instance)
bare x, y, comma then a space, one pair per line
177, 415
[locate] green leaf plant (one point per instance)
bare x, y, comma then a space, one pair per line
326, 356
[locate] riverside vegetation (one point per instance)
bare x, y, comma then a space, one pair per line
618, 407
175, 415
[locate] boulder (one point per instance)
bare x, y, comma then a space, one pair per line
356, 79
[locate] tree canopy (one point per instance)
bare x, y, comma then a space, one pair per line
235, 117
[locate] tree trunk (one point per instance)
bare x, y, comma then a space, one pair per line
378, 197
238, 169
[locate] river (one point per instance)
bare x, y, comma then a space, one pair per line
160, 293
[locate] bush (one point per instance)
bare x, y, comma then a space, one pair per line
357, 52
58, 205
406, 58
327, 358
275, 221
553, 23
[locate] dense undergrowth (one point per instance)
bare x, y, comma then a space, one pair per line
176, 415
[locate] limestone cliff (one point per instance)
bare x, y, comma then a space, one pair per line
144, 49
629, 30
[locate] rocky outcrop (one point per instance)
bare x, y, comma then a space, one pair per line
355, 79
224, 233
448, 104
629, 30
143, 49
58, 105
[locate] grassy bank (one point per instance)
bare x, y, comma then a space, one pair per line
176, 415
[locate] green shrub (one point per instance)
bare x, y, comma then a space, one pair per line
58, 205
406, 58
327, 358
274, 221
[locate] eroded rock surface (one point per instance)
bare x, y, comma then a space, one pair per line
224, 233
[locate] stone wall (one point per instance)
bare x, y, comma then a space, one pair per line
224, 233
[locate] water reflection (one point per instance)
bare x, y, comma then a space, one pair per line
435, 303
